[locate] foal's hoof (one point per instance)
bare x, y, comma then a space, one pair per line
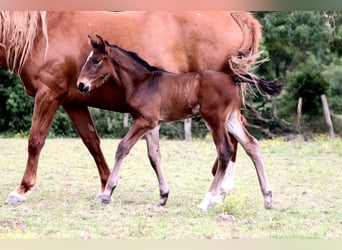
106, 200
268, 200
268, 205
202, 206
210, 201
101, 199
163, 199
15, 198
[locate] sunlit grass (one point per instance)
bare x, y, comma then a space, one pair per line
305, 178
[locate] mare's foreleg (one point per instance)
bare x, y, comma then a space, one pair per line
152, 140
45, 107
84, 124
138, 129
251, 146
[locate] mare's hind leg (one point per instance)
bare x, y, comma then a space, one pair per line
45, 107
251, 146
84, 124
152, 139
138, 129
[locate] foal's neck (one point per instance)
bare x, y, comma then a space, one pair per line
125, 62
132, 71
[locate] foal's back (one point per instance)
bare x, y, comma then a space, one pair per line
218, 87
178, 95
185, 95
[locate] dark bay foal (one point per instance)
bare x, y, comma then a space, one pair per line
155, 96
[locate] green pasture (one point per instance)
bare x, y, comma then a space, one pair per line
306, 179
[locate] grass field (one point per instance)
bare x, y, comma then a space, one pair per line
306, 179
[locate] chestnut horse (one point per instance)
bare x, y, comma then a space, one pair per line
47, 49
156, 96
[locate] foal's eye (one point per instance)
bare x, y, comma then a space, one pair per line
96, 61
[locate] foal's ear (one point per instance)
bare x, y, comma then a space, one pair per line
92, 42
100, 41
97, 44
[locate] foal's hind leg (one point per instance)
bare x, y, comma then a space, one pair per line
229, 176
251, 146
217, 190
228, 180
152, 139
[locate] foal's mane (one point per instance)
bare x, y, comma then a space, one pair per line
134, 56
18, 31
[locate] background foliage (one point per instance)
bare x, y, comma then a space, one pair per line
304, 48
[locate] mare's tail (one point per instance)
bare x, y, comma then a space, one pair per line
262, 85
248, 56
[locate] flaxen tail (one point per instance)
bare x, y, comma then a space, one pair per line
248, 56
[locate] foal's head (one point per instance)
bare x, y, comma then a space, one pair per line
97, 69
110, 62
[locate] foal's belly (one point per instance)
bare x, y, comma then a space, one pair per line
179, 112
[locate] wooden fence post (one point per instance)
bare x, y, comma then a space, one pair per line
299, 115
125, 120
187, 129
327, 117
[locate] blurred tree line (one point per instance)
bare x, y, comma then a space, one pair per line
304, 48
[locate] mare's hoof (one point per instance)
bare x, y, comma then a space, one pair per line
15, 198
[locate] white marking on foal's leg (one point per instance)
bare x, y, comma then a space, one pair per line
228, 179
225, 188
15, 198
205, 202
209, 201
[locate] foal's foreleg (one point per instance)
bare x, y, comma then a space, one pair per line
84, 124
251, 146
152, 139
138, 129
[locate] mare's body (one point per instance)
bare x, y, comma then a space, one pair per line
47, 49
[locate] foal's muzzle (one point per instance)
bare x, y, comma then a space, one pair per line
83, 87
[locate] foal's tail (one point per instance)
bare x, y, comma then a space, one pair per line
262, 85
